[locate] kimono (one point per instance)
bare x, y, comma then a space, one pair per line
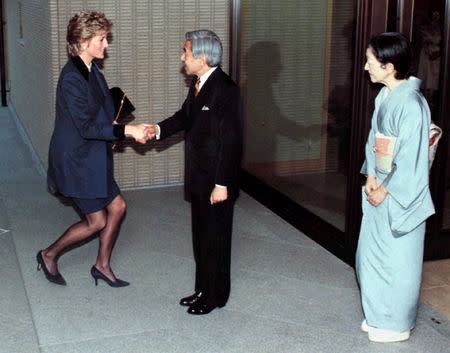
390, 247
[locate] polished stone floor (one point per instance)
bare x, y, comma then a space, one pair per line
288, 294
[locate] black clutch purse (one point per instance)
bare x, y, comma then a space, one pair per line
122, 105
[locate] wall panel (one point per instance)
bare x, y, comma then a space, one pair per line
143, 59
30, 68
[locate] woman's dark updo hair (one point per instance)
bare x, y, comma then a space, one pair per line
394, 48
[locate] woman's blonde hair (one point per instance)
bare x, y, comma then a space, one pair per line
83, 26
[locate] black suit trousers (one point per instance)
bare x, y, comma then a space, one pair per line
211, 237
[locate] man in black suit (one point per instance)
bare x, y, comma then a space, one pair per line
211, 119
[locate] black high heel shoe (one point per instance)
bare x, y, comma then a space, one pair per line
96, 274
57, 279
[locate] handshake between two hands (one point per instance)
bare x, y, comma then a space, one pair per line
142, 132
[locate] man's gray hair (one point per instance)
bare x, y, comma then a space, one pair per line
206, 43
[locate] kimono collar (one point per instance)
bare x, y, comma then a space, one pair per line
81, 66
411, 84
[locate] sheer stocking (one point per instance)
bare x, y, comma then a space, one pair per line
108, 236
108, 223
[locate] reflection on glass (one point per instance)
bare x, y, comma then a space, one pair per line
427, 44
430, 57
296, 78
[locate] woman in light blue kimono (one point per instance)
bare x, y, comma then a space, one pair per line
396, 199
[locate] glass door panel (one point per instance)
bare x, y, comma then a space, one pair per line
296, 78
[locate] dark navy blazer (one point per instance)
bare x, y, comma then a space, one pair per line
80, 156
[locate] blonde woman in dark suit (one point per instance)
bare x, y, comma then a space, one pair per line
80, 154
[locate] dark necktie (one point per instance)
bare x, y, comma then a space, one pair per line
197, 84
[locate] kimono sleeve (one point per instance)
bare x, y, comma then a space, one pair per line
409, 175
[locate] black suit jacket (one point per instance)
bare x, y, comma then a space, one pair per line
212, 122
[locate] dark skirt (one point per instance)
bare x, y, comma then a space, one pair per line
93, 205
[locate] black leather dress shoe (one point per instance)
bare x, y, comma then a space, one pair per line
192, 299
202, 308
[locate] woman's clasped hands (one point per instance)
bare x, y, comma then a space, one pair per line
375, 194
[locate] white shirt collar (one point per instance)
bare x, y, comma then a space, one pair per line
205, 76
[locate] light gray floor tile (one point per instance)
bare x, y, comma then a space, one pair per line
234, 332
296, 301
17, 329
4, 220
265, 224
313, 264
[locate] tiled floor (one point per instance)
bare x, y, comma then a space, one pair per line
436, 286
